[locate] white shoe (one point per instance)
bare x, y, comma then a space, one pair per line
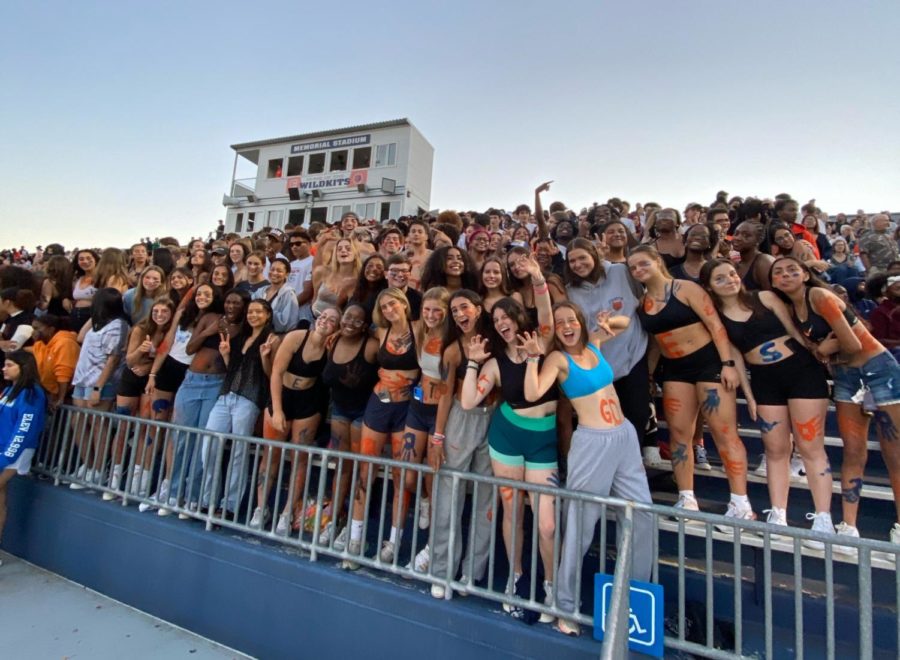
513, 609
652, 458
327, 533
701, 459
283, 528
895, 533
821, 522
843, 529
422, 561
777, 517
735, 512
548, 601
438, 591
192, 508
354, 548
341, 541
424, 513
136, 475
387, 552
143, 507
761, 469
798, 471
259, 518
116, 481
688, 504
163, 511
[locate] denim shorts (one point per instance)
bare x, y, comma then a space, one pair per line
350, 416
108, 393
881, 375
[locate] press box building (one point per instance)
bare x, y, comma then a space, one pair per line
380, 171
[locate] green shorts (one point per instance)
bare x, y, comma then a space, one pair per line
516, 440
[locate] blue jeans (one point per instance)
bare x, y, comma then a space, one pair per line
235, 415
193, 403
881, 375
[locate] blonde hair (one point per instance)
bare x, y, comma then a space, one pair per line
390, 292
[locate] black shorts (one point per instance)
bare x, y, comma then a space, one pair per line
702, 366
131, 385
799, 376
170, 375
301, 404
421, 416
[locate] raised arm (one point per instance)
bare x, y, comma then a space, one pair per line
543, 231
480, 380
538, 382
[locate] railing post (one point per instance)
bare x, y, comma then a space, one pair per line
615, 639
214, 490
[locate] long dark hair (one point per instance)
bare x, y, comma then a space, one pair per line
29, 380
247, 329
584, 339
163, 258
192, 312
515, 311
483, 326
433, 271
365, 291
746, 299
106, 307
583, 244
59, 272
77, 271
814, 281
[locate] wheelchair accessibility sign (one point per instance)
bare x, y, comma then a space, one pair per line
645, 620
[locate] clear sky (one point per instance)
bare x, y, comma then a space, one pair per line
117, 116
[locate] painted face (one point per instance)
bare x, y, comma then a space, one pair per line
724, 281
257, 315
254, 266
616, 236
398, 275
203, 296
353, 321
179, 282
86, 261
491, 275
328, 321
784, 239
161, 314
391, 244
392, 309
454, 264
234, 307
642, 266
433, 313
278, 273
464, 313
220, 275
505, 326
11, 371
349, 223
481, 242
344, 250
788, 276
581, 262
151, 281
374, 270
567, 326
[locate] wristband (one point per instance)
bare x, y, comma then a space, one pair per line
534, 359
152, 374
473, 364
728, 363
540, 282
97, 389
438, 439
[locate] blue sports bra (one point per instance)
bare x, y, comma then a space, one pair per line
581, 381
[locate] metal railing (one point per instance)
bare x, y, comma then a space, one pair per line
738, 577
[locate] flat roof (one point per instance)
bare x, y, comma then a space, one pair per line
320, 134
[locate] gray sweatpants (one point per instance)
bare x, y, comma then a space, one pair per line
603, 462
466, 449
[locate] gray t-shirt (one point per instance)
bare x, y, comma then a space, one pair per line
619, 294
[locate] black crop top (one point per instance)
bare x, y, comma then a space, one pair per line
406, 361
674, 315
212, 341
762, 326
815, 328
351, 382
749, 278
303, 369
512, 384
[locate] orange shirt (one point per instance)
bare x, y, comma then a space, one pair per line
56, 360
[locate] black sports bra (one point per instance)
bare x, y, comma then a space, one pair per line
406, 361
674, 315
512, 384
303, 369
762, 326
816, 328
749, 278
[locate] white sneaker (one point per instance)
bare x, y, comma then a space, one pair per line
548, 601
116, 481
424, 513
163, 511
164, 490
798, 471
688, 504
327, 533
144, 507
387, 552
736, 512
283, 528
259, 518
821, 522
82, 474
843, 529
512, 609
895, 533
354, 548
341, 541
438, 591
422, 560
192, 507
652, 458
136, 476
701, 459
761, 469
778, 518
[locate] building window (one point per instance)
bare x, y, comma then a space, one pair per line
389, 210
274, 171
338, 211
386, 154
274, 218
362, 157
251, 221
295, 165
295, 217
319, 214
316, 163
239, 223
365, 211
339, 160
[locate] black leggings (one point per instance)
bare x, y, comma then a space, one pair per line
634, 397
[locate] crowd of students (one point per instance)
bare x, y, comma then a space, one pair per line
522, 345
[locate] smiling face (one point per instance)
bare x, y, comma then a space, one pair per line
481, 242
86, 261
454, 265
724, 281
492, 275
236, 252
254, 266
616, 236
353, 321
465, 314
234, 307
278, 272
643, 266
398, 275
505, 326
203, 296
697, 239
374, 270
433, 313
349, 222
257, 314
581, 262
392, 309
391, 244
328, 322
788, 276
219, 275
567, 327
344, 252
151, 281
179, 281
161, 315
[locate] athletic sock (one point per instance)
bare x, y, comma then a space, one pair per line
687, 494
356, 530
740, 501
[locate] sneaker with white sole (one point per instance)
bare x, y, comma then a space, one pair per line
327, 533
514, 610
895, 533
160, 496
548, 601
821, 522
761, 469
387, 552
259, 518
701, 458
136, 476
341, 541
438, 591
778, 518
82, 474
424, 513
843, 529
192, 508
354, 548
735, 512
283, 528
164, 504
651, 457
798, 470
688, 504
422, 560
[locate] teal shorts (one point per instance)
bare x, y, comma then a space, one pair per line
522, 441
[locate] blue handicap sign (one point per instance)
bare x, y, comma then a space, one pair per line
645, 621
